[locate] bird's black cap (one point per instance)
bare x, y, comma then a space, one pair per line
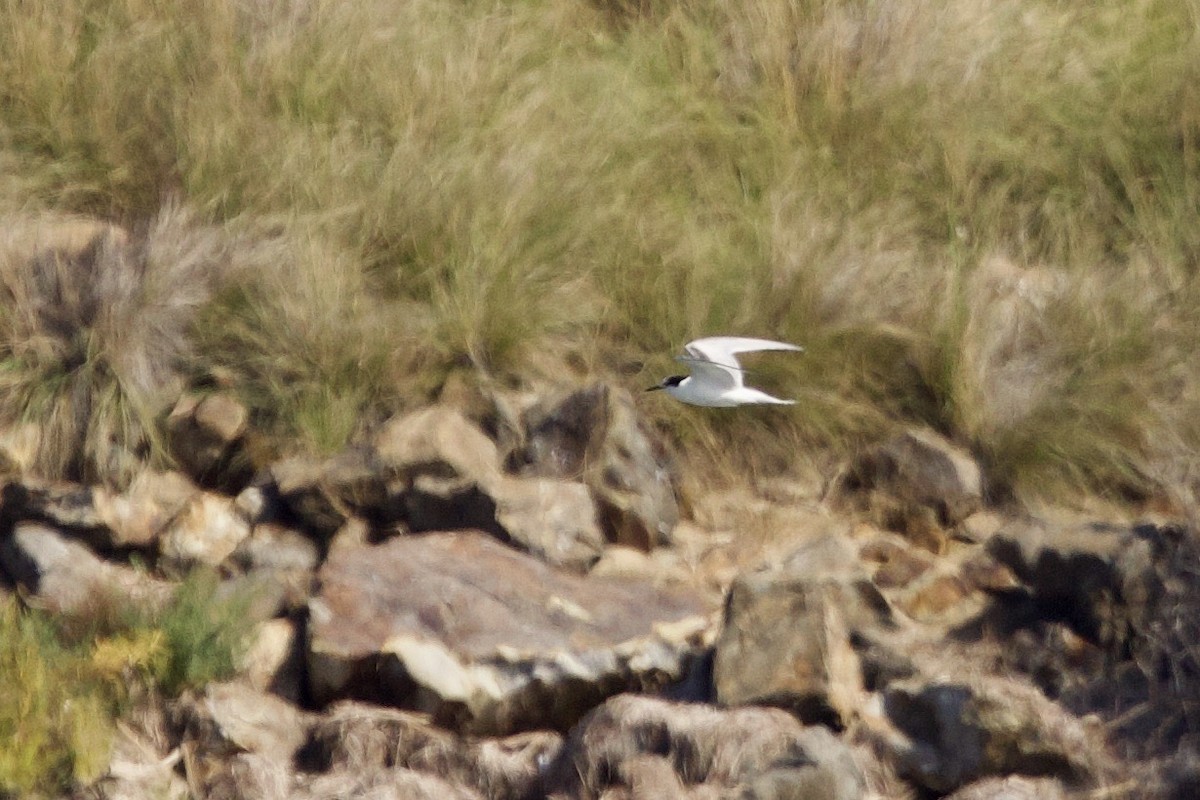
674, 380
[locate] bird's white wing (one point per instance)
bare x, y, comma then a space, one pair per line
724, 349
714, 361
716, 376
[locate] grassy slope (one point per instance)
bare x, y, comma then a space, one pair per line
976, 215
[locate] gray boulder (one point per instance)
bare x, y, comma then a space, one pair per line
593, 435
953, 732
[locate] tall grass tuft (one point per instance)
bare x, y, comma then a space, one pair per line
94, 334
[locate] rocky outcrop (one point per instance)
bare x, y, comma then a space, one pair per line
593, 435
954, 731
541, 647
786, 634
917, 483
486, 639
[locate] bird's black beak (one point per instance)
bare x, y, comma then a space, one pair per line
654, 388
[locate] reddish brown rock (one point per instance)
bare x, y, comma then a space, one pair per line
488, 639
808, 664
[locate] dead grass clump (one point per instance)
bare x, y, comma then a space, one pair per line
94, 332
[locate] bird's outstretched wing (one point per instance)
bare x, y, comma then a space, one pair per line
724, 349
719, 377
713, 359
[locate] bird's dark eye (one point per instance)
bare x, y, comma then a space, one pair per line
674, 380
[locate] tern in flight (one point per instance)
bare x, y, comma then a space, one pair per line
717, 376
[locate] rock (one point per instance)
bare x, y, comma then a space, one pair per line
957, 731
139, 768
1013, 787
443, 473
917, 484
662, 566
206, 437
554, 520
138, 516
63, 576
236, 716
273, 662
665, 747
322, 496
487, 639
240, 742
277, 562
593, 435
205, 532
273, 547
807, 666
441, 468
104, 519
355, 737
899, 563
939, 596
980, 526
65, 506
1099, 579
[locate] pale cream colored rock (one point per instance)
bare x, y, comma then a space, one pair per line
138, 516
206, 531
272, 662
62, 575
552, 519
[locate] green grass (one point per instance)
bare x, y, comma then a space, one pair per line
68, 678
525, 188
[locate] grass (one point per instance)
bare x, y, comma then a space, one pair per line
976, 216
69, 678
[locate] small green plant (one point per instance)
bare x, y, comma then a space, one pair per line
202, 634
68, 678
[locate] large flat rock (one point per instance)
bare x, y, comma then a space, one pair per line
487, 639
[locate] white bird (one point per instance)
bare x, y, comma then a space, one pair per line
717, 376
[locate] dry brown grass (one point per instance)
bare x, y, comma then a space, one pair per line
976, 215
95, 333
